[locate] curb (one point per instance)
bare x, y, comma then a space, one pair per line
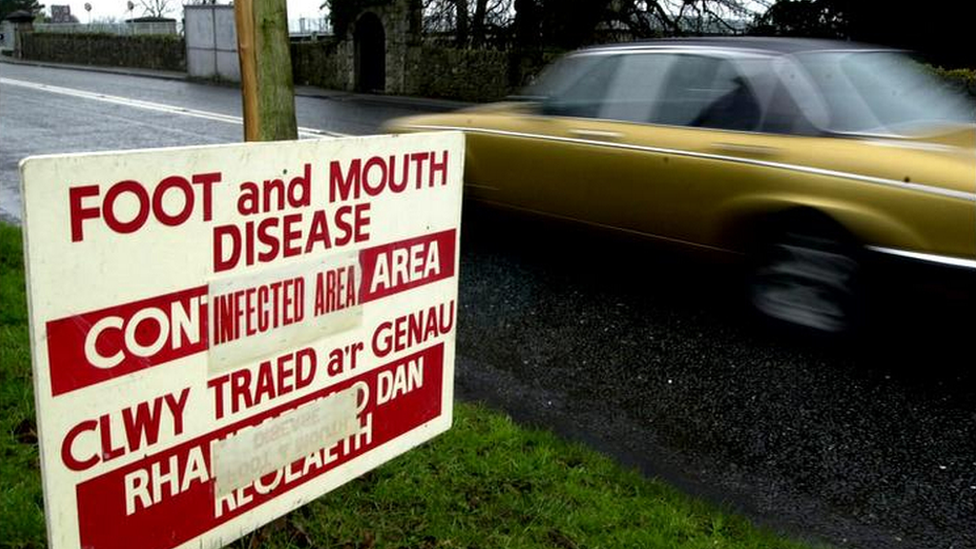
147, 73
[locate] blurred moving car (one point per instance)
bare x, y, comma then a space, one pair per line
806, 157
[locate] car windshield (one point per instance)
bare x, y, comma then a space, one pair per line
882, 93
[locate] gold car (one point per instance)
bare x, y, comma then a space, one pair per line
807, 157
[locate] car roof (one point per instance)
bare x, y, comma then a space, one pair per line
744, 43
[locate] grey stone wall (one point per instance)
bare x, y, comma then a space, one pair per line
326, 64
138, 51
465, 74
426, 71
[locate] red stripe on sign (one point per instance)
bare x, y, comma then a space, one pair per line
400, 266
100, 345
168, 498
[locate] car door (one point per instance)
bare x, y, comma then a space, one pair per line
705, 130
609, 179
568, 157
643, 140
535, 156
702, 147
658, 146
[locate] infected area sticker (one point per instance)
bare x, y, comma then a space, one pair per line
297, 304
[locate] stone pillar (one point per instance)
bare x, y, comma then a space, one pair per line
401, 21
21, 22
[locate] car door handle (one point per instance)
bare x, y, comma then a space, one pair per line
596, 134
750, 150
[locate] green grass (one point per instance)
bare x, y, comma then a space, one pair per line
486, 483
21, 499
491, 483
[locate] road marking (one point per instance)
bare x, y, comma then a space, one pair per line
152, 106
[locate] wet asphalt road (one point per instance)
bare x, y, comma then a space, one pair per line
653, 358
642, 354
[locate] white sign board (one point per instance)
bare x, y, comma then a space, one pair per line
221, 334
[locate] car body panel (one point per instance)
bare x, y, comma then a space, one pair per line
709, 187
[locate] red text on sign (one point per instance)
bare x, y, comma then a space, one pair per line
274, 195
413, 329
258, 309
87, 203
93, 347
335, 289
290, 235
140, 426
378, 174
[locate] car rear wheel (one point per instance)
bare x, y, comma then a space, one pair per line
807, 278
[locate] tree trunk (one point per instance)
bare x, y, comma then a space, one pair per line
461, 13
266, 81
527, 24
478, 25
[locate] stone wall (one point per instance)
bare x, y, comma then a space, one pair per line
401, 25
428, 71
139, 51
325, 64
468, 75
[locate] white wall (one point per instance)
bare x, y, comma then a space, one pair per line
9, 41
211, 42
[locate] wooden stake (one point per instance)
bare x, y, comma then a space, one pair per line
266, 83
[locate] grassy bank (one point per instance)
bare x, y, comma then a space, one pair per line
486, 483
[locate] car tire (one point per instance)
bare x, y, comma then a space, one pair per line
806, 276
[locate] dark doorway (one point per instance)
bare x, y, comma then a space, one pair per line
370, 42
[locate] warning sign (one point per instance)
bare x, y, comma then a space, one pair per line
221, 334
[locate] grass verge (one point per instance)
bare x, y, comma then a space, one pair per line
486, 483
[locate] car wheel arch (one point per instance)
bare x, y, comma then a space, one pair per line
740, 226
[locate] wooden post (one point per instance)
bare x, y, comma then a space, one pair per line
266, 83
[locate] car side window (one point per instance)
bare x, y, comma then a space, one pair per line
637, 84
783, 115
708, 92
585, 95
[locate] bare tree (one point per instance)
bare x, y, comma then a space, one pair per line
478, 23
155, 8
644, 19
530, 24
